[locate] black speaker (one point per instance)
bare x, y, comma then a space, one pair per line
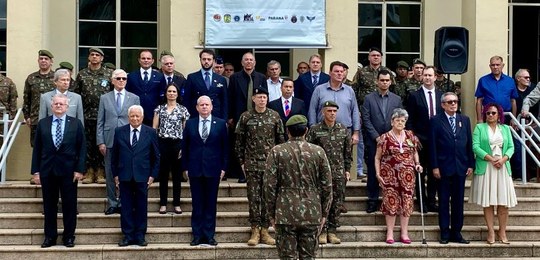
451, 50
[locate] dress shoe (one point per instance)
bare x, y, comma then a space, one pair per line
405, 240
124, 242
390, 241
443, 241
195, 242
142, 242
48, 242
162, 210
460, 241
70, 242
371, 207
242, 180
432, 208
212, 242
118, 210
177, 210
110, 211
343, 209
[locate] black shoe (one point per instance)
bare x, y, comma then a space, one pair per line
70, 242
371, 207
195, 242
212, 242
433, 208
124, 242
142, 243
48, 242
110, 211
443, 241
118, 210
460, 241
242, 180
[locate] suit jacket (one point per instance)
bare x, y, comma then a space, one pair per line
109, 119
150, 93
75, 108
70, 156
418, 110
238, 88
135, 163
481, 147
452, 154
196, 87
208, 158
375, 121
297, 108
303, 86
179, 80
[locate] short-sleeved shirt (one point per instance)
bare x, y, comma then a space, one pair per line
497, 91
171, 124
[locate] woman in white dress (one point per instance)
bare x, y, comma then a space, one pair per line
492, 184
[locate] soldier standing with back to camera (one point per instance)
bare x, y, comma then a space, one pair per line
8, 96
92, 82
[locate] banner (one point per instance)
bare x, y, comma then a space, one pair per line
265, 23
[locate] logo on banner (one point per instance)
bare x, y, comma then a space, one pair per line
217, 17
260, 18
248, 17
302, 18
227, 18
310, 18
237, 18
294, 19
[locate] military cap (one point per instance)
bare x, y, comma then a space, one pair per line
375, 49
330, 103
402, 64
109, 65
219, 60
296, 120
418, 61
98, 50
45, 53
66, 65
260, 90
165, 52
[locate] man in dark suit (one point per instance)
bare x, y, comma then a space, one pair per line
204, 160
135, 165
241, 86
422, 105
171, 75
452, 161
113, 113
376, 115
58, 163
306, 83
287, 105
205, 82
148, 84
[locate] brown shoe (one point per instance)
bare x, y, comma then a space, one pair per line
89, 177
266, 238
332, 238
322, 238
100, 176
255, 236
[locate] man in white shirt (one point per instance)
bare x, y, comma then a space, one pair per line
274, 80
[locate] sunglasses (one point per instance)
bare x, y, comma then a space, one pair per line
492, 113
120, 78
451, 102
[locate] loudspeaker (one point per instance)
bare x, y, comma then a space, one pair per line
451, 50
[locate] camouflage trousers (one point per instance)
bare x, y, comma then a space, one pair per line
338, 195
296, 242
94, 158
257, 208
33, 129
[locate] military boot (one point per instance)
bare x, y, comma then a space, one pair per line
100, 175
255, 236
266, 238
332, 238
89, 178
322, 238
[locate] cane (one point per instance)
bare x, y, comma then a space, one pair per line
421, 206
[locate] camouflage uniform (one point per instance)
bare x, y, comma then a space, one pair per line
336, 142
256, 133
365, 82
35, 85
442, 85
298, 194
400, 88
8, 95
91, 84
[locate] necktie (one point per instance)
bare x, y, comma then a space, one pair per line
431, 111
145, 79
169, 80
287, 107
118, 102
58, 135
134, 139
315, 80
207, 79
453, 124
204, 130
250, 93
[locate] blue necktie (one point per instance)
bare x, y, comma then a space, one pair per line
315, 80
145, 79
118, 102
453, 124
207, 79
169, 80
58, 135
204, 135
134, 139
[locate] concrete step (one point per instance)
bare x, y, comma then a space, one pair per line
521, 249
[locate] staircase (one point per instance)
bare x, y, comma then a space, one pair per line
97, 235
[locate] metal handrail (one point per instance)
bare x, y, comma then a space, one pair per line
521, 124
10, 131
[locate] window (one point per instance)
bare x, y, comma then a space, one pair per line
119, 27
393, 26
3, 34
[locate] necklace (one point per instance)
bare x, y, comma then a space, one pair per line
399, 140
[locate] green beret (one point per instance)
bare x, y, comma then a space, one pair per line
98, 50
109, 65
330, 104
66, 65
402, 64
259, 90
296, 120
418, 61
45, 53
166, 52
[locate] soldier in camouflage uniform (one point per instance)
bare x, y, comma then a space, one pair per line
365, 80
442, 83
257, 131
402, 80
416, 81
333, 137
8, 96
68, 66
297, 192
346, 81
92, 82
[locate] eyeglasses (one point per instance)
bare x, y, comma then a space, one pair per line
526, 77
491, 113
120, 78
451, 102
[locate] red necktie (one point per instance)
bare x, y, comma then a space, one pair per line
431, 111
287, 107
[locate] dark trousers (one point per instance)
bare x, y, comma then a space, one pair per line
450, 224
296, 242
133, 219
204, 191
51, 187
94, 159
372, 182
234, 169
169, 162
429, 188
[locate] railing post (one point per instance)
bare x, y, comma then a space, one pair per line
523, 153
5, 137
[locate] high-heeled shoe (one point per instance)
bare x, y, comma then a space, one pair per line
503, 240
390, 241
405, 240
490, 242
177, 210
162, 211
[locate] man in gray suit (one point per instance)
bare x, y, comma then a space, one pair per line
376, 116
62, 78
113, 113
